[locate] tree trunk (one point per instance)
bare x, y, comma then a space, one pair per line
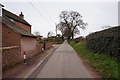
72, 35
68, 37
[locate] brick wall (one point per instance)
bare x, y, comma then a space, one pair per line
9, 37
10, 57
31, 48
48, 45
27, 28
39, 48
28, 44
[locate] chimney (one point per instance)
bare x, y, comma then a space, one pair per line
21, 15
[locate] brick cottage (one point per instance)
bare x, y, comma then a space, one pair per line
17, 38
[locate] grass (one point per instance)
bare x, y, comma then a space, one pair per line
105, 65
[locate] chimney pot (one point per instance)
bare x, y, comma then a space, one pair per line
21, 15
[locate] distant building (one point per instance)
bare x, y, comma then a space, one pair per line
39, 37
79, 39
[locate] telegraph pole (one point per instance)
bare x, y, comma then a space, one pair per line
56, 29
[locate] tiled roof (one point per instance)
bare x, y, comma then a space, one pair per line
15, 27
14, 17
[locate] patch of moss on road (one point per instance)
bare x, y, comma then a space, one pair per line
105, 65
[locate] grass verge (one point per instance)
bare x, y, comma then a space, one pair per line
105, 65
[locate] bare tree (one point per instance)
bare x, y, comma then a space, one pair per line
36, 33
62, 27
50, 33
70, 22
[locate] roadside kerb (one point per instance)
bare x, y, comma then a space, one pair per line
29, 75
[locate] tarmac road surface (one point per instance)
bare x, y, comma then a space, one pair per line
64, 63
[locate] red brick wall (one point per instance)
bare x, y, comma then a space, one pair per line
31, 48
48, 45
39, 48
10, 57
9, 37
27, 28
28, 44
13, 56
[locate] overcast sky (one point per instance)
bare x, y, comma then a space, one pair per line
43, 15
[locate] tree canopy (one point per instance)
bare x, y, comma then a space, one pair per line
69, 23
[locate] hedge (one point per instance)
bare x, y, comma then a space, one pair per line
77, 40
105, 41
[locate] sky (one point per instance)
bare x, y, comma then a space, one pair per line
43, 15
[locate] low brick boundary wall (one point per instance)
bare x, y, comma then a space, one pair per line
48, 45
39, 48
10, 56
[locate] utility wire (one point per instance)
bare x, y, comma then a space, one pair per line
37, 11
40, 13
45, 11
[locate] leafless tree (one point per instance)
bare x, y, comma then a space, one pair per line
36, 33
50, 33
70, 22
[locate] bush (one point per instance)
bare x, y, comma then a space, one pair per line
106, 41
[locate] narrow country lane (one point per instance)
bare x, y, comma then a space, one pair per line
64, 63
